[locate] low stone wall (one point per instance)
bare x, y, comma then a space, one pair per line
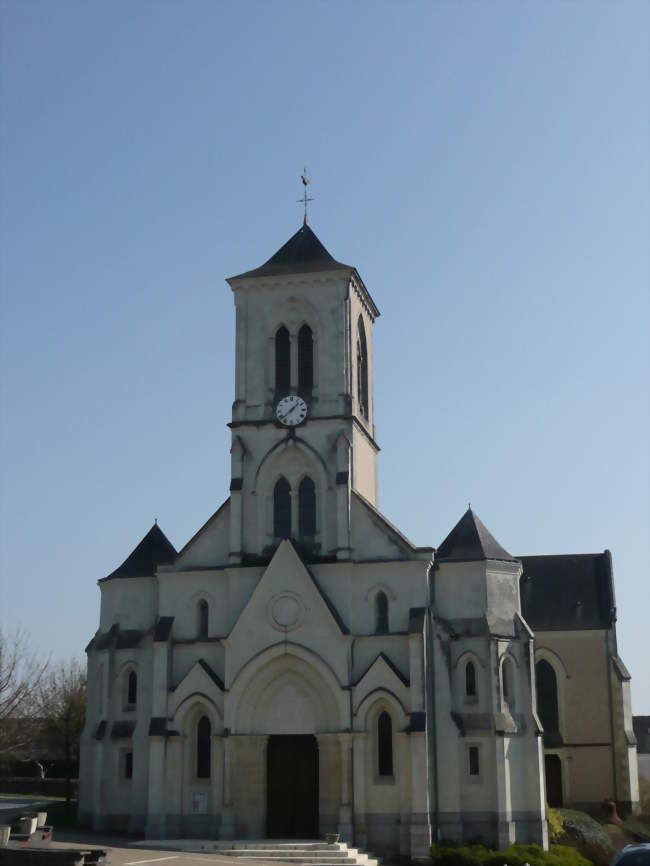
38, 787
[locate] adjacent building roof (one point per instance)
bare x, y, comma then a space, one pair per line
471, 541
303, 253
642, 733
154, 549
570, 591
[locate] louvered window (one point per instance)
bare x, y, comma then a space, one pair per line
282, 509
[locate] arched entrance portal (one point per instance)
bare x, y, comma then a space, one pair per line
292, 787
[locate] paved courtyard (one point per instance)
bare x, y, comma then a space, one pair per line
120, 852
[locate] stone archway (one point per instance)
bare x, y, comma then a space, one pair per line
287, 712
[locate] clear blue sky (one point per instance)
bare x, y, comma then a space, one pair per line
484, 165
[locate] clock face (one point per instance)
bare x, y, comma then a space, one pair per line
291, 410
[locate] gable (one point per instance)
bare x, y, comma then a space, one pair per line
209, 547
288, 605
199, 680
382, 675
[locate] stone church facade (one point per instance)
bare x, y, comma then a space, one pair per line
300, 667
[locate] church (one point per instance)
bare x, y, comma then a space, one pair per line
300, 667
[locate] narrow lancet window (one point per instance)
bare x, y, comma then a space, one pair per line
307, 508
203, 748
282, 360
203, 615
282, 509
547, 703
470, 680
508, 681
362, 369
305, 358
384, 745
381, 613
132, 689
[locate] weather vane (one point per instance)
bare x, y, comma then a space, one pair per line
305, 199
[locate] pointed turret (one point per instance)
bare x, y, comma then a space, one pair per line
154, 549
303, 253
471, 541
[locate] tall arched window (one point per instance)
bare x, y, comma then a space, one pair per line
307, 508
203, 617
381, 613
305, 358
362, 368
132, 689
384, 745
282, 509
547, 705
203, 748
508, 678
282, 359
470, 680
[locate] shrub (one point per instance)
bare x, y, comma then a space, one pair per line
516, 855
555, 825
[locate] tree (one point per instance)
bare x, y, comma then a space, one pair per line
22, 674
63, 709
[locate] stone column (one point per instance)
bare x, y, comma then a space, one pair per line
403, 750
360, 756
294, 512
329, 788
345, 827
506, 827
293, 342
420, 827
227, 812
175, 783
416, 670
216, 783
155, 827
234, 554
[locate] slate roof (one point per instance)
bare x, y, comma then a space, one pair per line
303, 253
154, 549
471, 541
570, 591
642, 733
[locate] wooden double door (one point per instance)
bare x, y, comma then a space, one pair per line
292, 787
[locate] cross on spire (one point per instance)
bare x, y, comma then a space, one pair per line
305, 199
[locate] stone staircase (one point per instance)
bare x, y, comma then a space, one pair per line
293, 851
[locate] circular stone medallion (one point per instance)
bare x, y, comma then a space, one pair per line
285, 610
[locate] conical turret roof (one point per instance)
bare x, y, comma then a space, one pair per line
303, 253
470, 541
154, 549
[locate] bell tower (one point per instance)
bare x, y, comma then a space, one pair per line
302, 420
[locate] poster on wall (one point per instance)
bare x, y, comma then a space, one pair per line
199, 802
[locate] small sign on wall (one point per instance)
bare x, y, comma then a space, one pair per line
199, 802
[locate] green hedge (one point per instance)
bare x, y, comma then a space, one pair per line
516, 855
